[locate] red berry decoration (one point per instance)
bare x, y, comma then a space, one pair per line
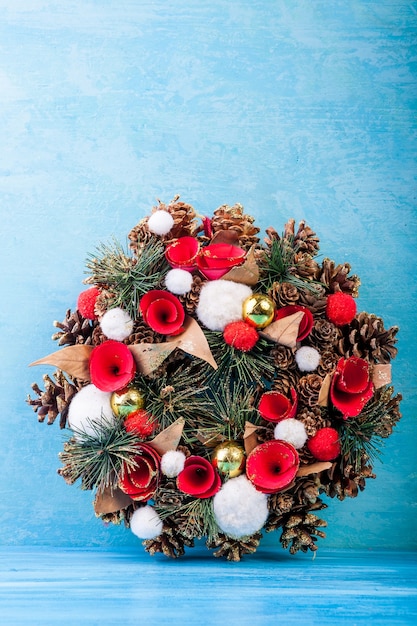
140, 422
240, 335
87, 301
325, 445
340, 308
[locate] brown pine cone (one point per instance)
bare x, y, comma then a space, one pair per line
283, 357
234, 549
140, 236
75, 329
314, 299
190, 299
184, 218
279, 505
323, 335
343, 480
285, 380
104, 302
366, 337
312, 419
142, 333
300, 532
55, 399
328, 362
309, 388
306, 240
284, 294
170, 542
233, 218
391, 414
337, 278
305, 266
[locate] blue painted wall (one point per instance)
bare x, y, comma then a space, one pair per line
292, 108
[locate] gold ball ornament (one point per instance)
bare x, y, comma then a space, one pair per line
127, 400
229, 459
258, 310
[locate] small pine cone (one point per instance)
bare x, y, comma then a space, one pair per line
309, 389
367, 338
284, 294
75, 329
305, 266
168, 496
313, 297
306, 492
234, 549
233, 218
279, 505
392, 412
55, 399
285, 380
342, 480
142, 333
337, 278
283, 357
312, 419
328, 362
103, 303
170, 542
190, 299
306, 240
140, 236
300, 532
324, 334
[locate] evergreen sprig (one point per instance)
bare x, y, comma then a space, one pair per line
127, 278
196, 514
279, 265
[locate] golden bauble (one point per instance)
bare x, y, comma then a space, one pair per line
229, 459
127, 400
258, 310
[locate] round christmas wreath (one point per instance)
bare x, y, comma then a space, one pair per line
217, 385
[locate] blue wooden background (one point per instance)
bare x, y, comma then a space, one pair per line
293, 108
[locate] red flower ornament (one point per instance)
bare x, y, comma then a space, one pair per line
275, 407
216, 259
163, 312
182, 253
112, 366
140, 482
198, 478
272, 466
351, 387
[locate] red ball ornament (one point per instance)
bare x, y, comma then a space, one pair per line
325, 445
87, 301
340, 308
140, 422
240, 335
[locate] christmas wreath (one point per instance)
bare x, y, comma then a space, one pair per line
216, 385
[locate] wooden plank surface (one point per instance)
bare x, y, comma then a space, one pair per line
64, 586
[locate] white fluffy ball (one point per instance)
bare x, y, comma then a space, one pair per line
291, 430
145, 523
178, 281
307, 359
89, 405
239, 509
220, 303
160, 222
172, 463
116, 324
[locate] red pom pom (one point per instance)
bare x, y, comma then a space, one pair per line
340, 308
325, 445
140, 422
240, 335
87, 301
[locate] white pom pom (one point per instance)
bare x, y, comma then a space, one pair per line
178, 281
90, 406
240, 509
291, 430
221, 302
145, 523
116, 324
160, 222
307, 359
172, 463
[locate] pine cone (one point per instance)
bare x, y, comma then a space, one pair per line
142, 333
314, 299
306, 240
312, 419
55, 399
336, 278
323, 335
342, 480
170, 542
305, 266
233, 218
309, 389
283, 358
234, 549
392, 413
285, 380
190, 299
300, 532
75, 329
140, 236
367, 338
328, 362
279, 505
104, 302
284, 294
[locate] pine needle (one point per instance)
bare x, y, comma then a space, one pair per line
280, 266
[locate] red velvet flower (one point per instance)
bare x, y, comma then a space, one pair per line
306, 321
216, 259
340, 308
351, 387
86, 303
140, 422
240, 335
275, 407
140, 482
182, 253
272, 466
162, 311
198, 478
112, 366
325, 444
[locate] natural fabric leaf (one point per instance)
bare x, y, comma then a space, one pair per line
285, 330
74, 360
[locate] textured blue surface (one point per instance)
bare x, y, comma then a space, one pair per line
294, 109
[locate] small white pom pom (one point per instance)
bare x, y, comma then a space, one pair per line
90, 405
145, 523
239, 509
178, 281
160, 222
172, 463
220, 303
116, 324
307, 359
292, 431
